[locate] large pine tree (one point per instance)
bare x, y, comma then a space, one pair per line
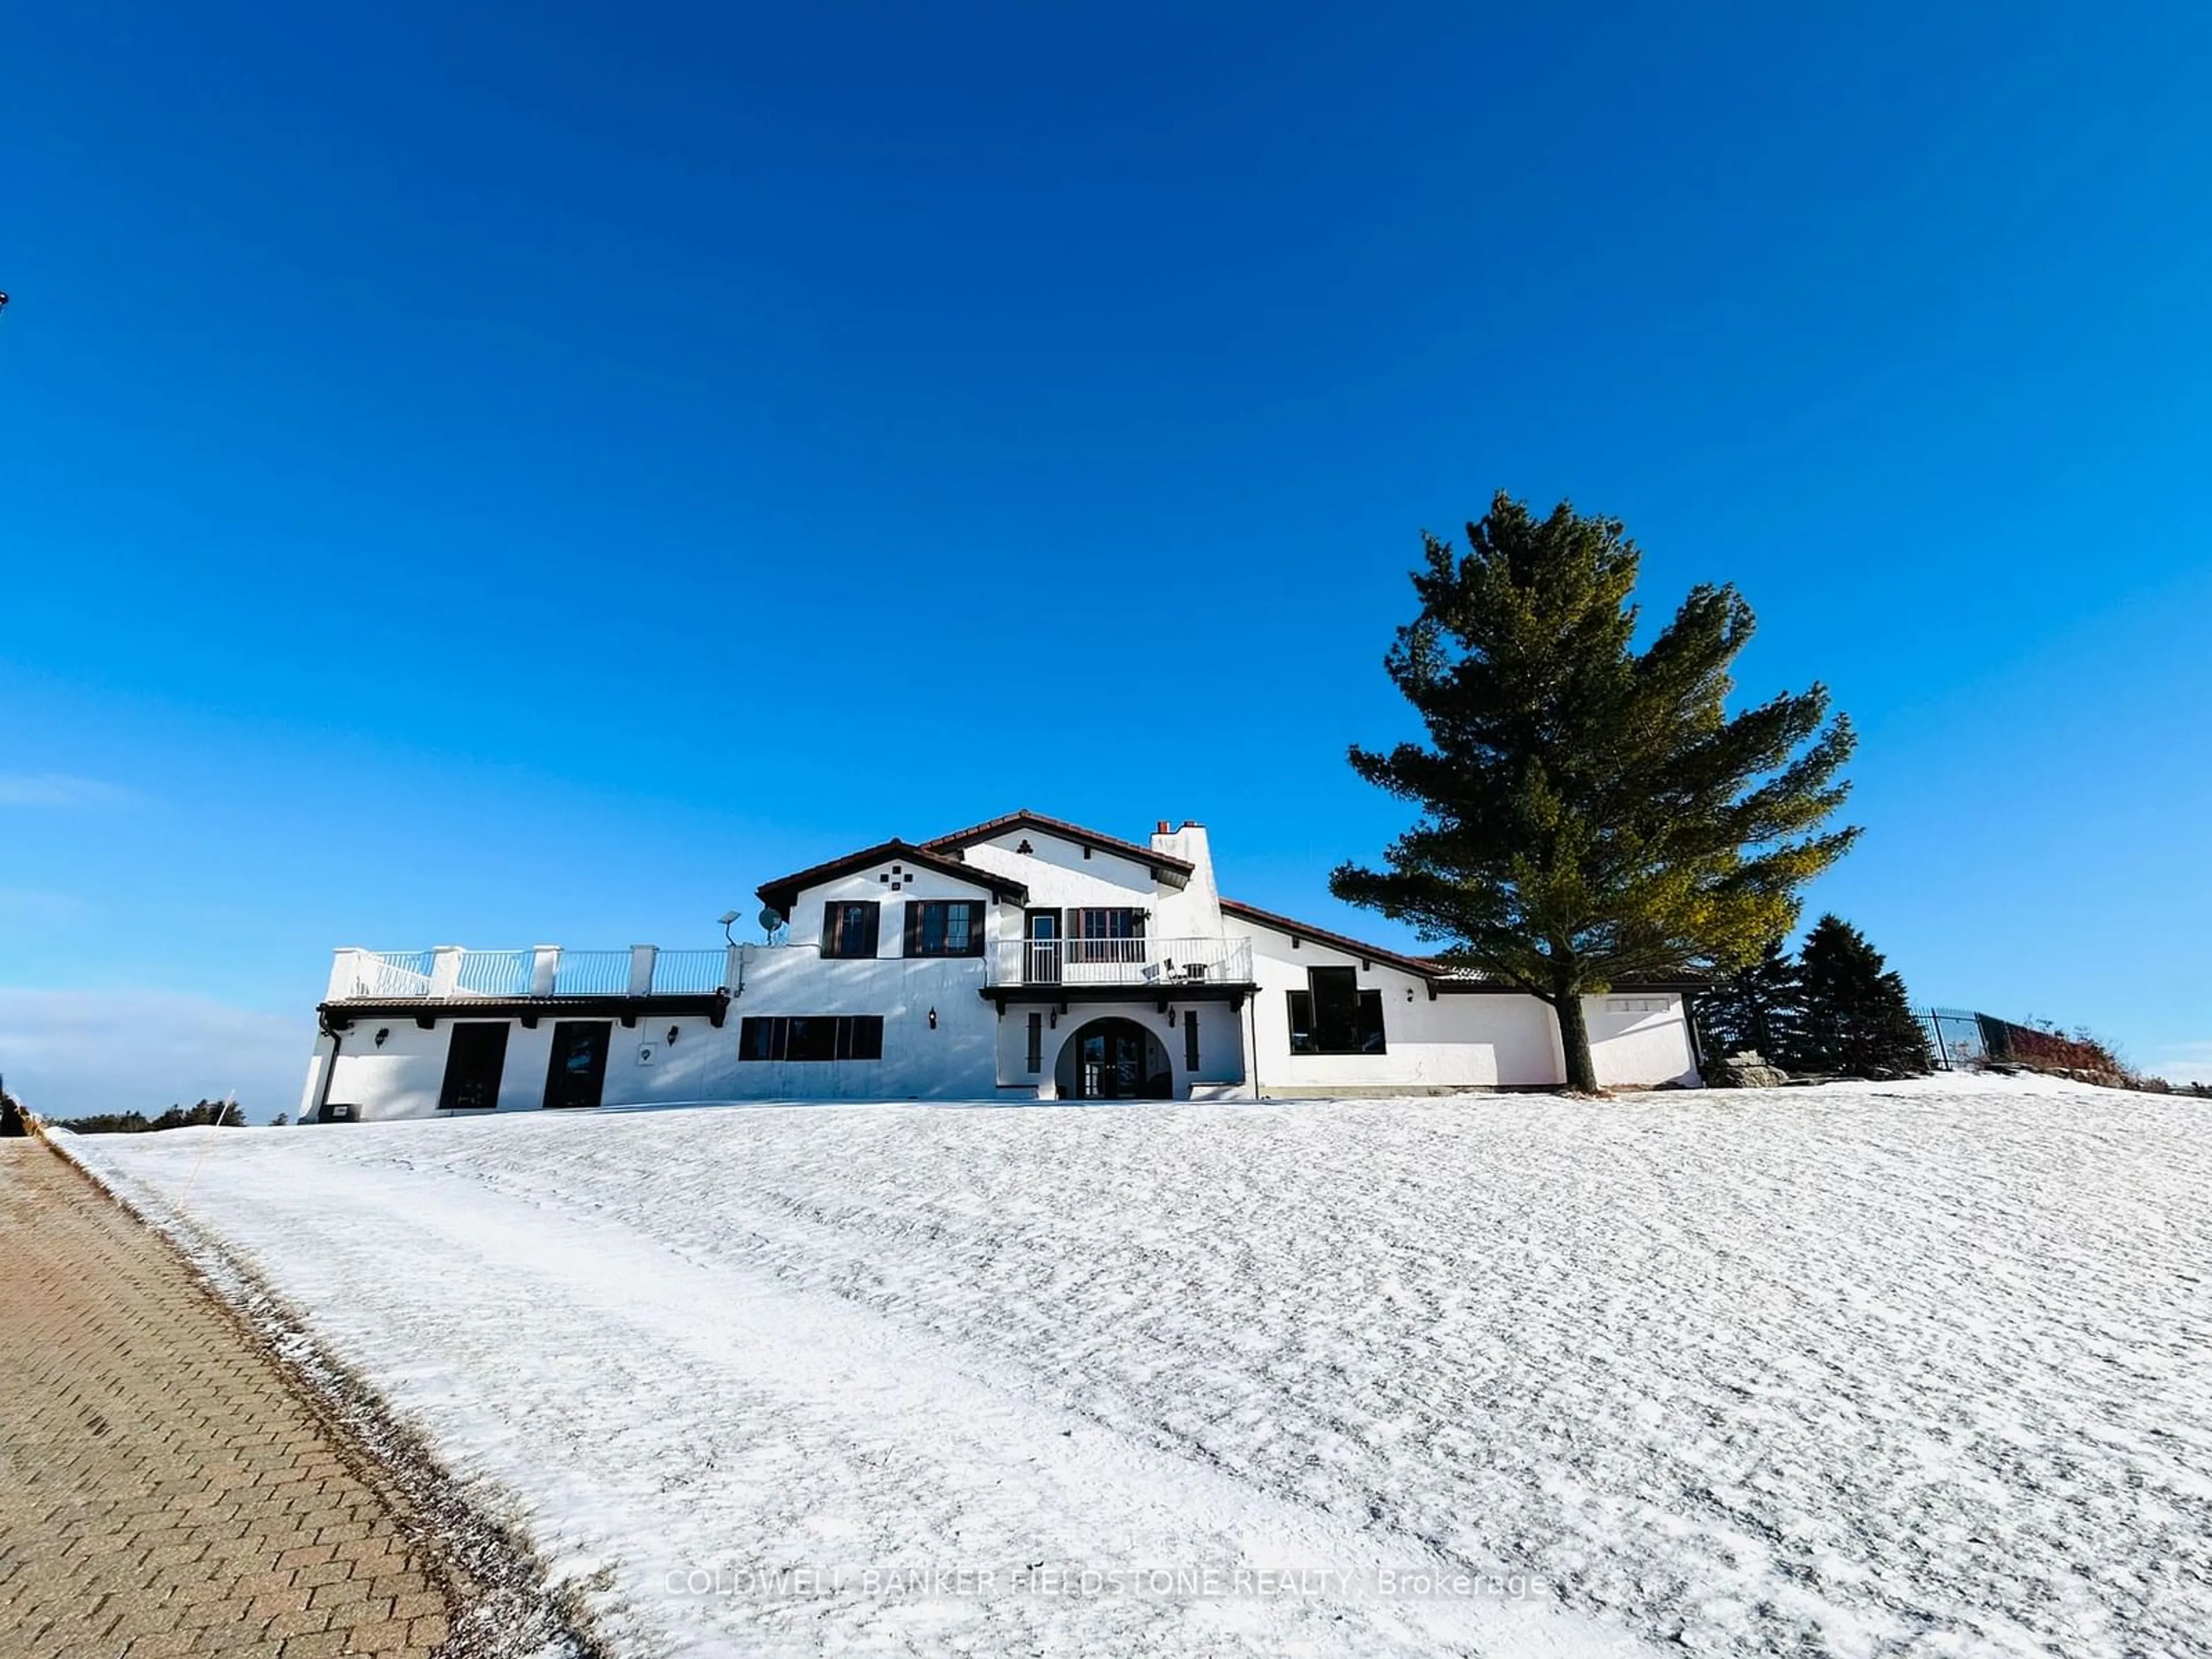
1858, 1022
1760, 1006
1590, 813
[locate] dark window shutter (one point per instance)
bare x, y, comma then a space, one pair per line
912, 929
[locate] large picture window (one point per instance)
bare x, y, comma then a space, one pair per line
848, 927
811, 1036
944, 927
1333, 1016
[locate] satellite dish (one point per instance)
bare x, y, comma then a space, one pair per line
770, 920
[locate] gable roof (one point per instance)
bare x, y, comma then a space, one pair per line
782, 893
1164, 867
1425, 967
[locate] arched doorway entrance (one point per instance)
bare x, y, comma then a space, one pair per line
1114, 1059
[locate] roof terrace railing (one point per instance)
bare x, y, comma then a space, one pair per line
450, 973
691, 972
494, 974
381, 973
592, 974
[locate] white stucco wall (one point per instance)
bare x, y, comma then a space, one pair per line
1639, 1038
1456, 1040
1059, 876
916, 885
1192, 911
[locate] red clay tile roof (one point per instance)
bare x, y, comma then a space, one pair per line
1075, 832
782, 893
1427, 967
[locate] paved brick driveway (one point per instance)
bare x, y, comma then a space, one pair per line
164, 1489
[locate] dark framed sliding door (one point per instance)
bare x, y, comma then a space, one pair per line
578, 1070
476, 1055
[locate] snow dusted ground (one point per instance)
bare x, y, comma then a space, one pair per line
1912, 1369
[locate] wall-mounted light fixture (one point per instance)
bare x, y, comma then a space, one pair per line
382, 1032
673, 1033
933, 1020
1409, 993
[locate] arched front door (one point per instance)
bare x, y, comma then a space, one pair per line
1114, 1059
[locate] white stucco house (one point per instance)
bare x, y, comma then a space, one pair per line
1022, 959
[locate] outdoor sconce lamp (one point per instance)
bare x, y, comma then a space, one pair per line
382, 1032
673, 1033
1409, 993
933, 1020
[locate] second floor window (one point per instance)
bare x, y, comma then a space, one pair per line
944, 927
849, 928
1109, 935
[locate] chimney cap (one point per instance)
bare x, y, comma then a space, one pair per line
1192, 823
1161, 828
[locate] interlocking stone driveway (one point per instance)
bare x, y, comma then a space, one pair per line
164, 1488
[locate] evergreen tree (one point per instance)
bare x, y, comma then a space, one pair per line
204, 1113
1760, 1006
1858, 1022
1590, 813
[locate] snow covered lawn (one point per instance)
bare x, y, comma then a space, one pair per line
1872, 1369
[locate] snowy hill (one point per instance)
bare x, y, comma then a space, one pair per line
1862, 1370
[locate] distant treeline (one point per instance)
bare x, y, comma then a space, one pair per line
225, 1112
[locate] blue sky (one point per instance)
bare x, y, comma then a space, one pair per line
510, 476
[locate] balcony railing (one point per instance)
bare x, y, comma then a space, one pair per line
451, 973
1139, 963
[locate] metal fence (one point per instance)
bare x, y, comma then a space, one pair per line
1962, 1038
1955, 1037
